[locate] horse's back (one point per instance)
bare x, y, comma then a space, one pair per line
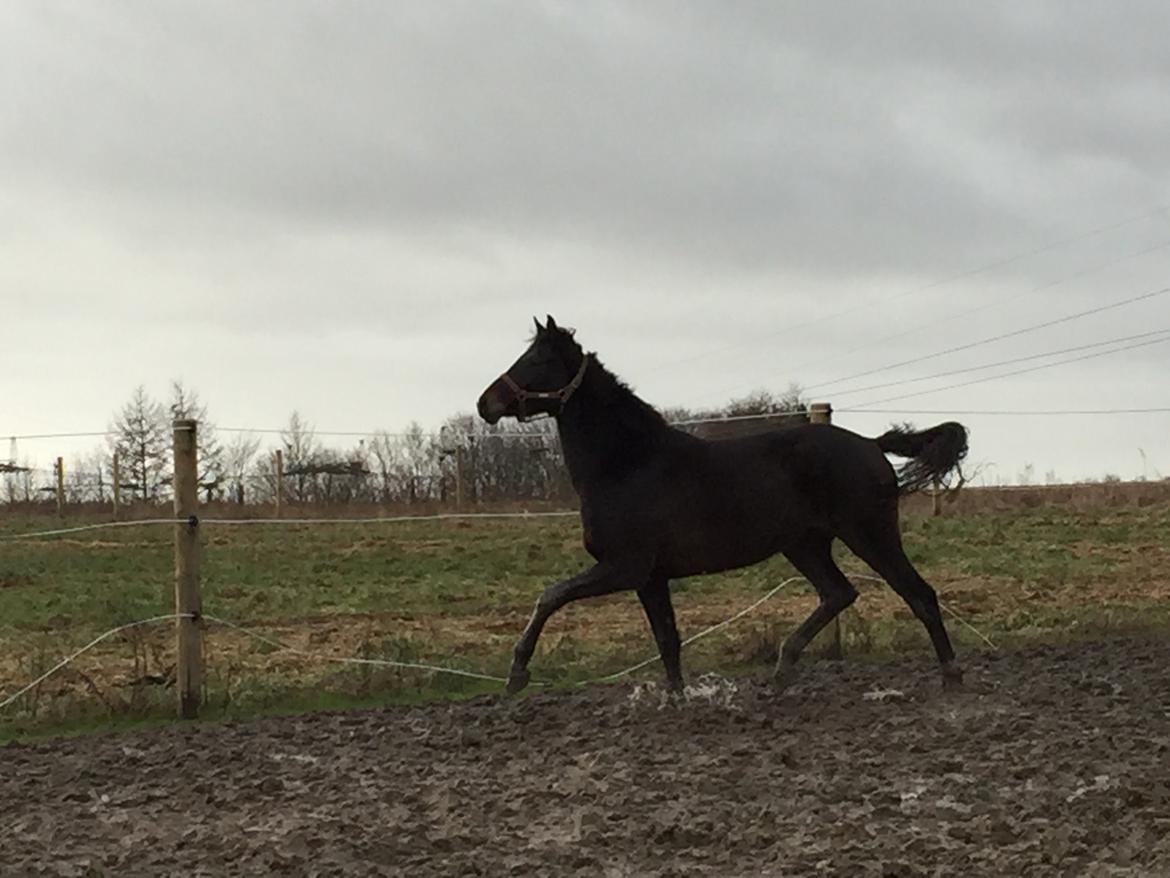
713, 504
839, 458
820, 472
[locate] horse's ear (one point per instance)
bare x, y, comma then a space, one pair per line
539, 328
552, 324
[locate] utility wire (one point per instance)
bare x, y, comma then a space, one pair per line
61, 435
962, 275
1016, 372
1004, 412
967, 312
994, 338
1083, 347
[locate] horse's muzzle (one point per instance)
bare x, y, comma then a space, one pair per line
494, 402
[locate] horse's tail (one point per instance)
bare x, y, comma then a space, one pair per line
934, 453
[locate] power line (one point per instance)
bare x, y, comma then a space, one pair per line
90, 435
308, 432
962, 275
1016, 332
428, 434
277, 431
1012, 297
1004, 412
1017, 372
1083, 347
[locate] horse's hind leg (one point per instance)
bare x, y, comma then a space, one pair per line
880, 546
655, 597
814, 560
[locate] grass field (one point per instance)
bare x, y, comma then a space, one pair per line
457, 593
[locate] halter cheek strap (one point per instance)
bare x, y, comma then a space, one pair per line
562, 396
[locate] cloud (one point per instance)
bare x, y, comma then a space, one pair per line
838, 138
394, 187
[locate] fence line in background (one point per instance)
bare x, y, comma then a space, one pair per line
649, 661
105, 525
78, 653
388, 519
951, 612
969, 626
437, 516
362, 482
197, 619
390, 663
689, 422
430, 434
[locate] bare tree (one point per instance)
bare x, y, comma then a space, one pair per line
238, 455
18, 480
141, 439
764, 402
386, 466
513, 462
416, 469
301, 450
86, 479
185, 403
405, 467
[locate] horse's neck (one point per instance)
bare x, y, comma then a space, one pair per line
582, 440
601, 439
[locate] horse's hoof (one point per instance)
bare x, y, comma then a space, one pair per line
952, 677
784, 675
517, 680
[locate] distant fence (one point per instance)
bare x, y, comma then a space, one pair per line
975, 498
469, 471
453, 470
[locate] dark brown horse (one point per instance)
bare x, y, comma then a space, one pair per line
659, 504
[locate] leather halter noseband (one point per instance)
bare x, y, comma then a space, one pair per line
562, 396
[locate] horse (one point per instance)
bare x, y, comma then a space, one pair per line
659, 504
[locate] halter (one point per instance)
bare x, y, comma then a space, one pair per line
562, 396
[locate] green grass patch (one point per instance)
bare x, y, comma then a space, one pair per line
456, 592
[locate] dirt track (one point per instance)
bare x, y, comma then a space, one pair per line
1053, 761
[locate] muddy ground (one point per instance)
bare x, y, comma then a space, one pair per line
1054, 760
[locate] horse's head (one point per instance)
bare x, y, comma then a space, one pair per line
541, 381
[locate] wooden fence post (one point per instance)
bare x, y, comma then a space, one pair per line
822, 413
60, 471
279, 481
188, 600
117, 475
459, 463
935, 494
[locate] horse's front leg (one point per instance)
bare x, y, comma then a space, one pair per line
600, 579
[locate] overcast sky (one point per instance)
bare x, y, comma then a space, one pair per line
354, 209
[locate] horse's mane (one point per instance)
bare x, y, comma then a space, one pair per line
633, 428
620, 399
